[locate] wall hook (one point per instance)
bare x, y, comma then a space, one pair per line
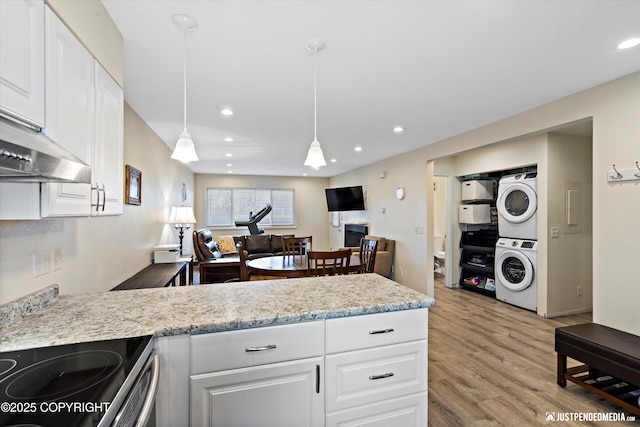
618, 175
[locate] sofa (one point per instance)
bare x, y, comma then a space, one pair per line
384, 255
257, 246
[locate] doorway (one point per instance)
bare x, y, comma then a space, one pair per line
442, 232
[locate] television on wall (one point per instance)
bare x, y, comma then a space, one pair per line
345, 199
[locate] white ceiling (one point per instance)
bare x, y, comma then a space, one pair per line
438, 68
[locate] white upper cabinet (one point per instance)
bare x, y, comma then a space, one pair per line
109, 146
22, 61
84, 114
70, 114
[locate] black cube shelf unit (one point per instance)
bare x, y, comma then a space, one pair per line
477, 259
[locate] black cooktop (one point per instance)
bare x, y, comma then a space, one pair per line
68, 385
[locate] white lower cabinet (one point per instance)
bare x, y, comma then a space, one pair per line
278, 395
368, 370
258, 377
376, 369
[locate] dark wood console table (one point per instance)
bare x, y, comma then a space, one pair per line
159, 276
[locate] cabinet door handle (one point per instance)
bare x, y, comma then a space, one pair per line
262, 348
97, 205
104, 198
379, 377
381, 331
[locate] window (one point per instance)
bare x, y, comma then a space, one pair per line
225, 206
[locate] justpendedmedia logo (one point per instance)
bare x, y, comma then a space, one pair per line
588, 416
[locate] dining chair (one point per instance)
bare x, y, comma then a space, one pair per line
321, 263
244, 256
296, 246
368, 250
244, 275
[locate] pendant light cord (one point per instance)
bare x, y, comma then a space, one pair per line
184, 62
315, 97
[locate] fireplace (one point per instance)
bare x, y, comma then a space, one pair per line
353, 233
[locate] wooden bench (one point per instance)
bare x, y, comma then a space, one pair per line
611, 358
157, 276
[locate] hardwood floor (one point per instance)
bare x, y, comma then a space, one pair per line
492, 364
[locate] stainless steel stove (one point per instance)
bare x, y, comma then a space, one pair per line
78, 385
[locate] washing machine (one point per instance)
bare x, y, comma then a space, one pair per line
515, 272
517, 204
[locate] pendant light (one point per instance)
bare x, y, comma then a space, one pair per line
315, 158
185, 151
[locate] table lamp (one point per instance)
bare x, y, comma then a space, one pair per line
182, 217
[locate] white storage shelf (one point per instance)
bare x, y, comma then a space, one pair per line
481, 189
474, 214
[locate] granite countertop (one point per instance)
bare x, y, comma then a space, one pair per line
206, 308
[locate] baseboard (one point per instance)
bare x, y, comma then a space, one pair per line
568, 313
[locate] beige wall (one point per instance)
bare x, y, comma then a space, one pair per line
311, 210
615, 108
400, 220
439, 206
569, 255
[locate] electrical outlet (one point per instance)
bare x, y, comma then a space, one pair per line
57, 259
555, 232
41, 263
579, 291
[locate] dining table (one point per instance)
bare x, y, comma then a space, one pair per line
289, 265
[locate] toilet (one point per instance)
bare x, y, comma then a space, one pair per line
438, 254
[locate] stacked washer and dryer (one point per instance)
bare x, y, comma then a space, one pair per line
516, 249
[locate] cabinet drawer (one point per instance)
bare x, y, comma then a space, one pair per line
366, 376
220, 351
372, 330
407, 411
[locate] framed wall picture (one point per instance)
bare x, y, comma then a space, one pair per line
133, 186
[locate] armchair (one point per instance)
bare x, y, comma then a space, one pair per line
213, 268
384, 255
204, 246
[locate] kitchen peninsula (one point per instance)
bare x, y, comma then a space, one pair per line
333, 328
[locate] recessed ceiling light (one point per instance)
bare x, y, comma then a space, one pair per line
629, 43
229, 165
398, 129
228, 139
227, 112
229, 171
304, 174
358, 148
229, 155
333, 160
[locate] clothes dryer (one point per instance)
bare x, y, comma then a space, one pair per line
515, 272
517, 204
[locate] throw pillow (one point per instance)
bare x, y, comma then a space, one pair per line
226, 244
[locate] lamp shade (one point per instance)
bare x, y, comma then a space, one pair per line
315, 158
185, 151
182, 215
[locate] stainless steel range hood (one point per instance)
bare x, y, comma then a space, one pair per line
29, 156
